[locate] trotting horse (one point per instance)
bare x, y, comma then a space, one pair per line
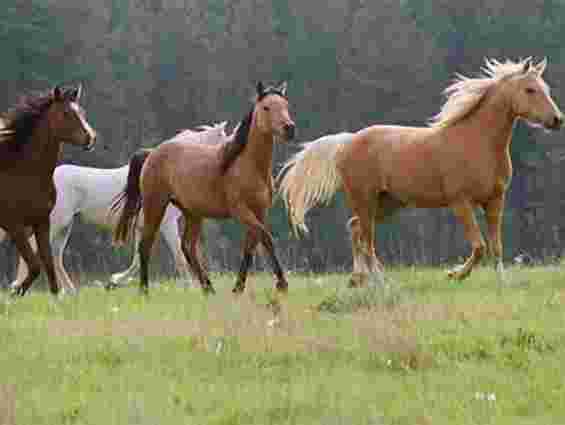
461, 161
30, 144
231, 179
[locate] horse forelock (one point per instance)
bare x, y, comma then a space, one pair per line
466, 93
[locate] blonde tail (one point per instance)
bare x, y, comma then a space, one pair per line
310, 177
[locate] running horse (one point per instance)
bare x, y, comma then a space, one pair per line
30, 144
461, 161
232, 179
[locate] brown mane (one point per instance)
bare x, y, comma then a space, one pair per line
21, 120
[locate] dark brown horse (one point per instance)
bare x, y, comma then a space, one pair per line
30, 142
227, 180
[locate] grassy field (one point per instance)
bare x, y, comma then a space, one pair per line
433, 352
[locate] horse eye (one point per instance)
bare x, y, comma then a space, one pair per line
530, 90
266, 108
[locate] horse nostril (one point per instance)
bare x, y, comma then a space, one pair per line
558, 121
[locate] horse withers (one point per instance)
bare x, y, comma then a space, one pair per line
232, 179
461, 161
30, 145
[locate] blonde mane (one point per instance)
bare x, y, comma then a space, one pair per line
466, 93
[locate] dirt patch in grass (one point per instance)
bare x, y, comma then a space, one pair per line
7, 405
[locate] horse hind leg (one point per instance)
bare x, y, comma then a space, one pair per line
190, 248
116, 279
172, 230
365, 262
465, 214
154, 205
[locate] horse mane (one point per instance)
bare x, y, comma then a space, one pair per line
233, 148
465, 94
20, 121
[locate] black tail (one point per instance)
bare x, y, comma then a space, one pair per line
129, 199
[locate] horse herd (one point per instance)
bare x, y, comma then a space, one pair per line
460, 161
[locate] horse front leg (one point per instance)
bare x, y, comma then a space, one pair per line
494, 211
257, 228
249, 245
190, 247
465, 214
42, 236
20, 238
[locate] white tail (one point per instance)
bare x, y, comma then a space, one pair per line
310, 177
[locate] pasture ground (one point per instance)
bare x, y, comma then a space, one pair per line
435, 352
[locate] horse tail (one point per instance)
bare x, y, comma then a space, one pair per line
128, 202
310, 177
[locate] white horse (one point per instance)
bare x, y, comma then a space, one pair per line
90, 192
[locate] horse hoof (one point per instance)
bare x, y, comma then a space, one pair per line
209, 290
110, 286
458, 272
17, 291
238, 290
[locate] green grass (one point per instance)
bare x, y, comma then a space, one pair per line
433, 352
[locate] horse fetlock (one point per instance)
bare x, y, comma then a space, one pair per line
282, 285
239, 287
208, 289
358, 280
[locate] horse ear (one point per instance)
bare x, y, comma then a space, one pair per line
260, 89
527, 65
540, 67
282, 88
78, 93
58, 93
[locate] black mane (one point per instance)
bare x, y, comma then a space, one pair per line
234, 148
21, 120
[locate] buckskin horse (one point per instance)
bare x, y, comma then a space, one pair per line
461, 161
232, 179
30, 144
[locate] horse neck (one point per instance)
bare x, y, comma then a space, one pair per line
495, 120
259, 151
43, 149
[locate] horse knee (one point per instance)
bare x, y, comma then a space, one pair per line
479, 251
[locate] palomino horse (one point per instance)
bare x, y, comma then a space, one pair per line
461, 161
231, 179
30, 144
